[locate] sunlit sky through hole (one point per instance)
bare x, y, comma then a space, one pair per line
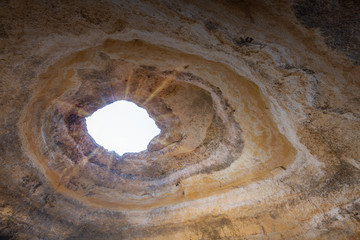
122, 127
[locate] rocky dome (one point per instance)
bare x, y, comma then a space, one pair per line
258, 103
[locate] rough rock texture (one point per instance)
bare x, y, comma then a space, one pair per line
258, 103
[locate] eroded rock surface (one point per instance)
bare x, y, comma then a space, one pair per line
258, 103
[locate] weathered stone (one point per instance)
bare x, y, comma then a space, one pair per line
257, 102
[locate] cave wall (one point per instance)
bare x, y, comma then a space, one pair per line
258, 103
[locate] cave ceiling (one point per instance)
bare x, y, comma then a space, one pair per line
258, 103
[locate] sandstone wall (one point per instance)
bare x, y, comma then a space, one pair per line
258, 104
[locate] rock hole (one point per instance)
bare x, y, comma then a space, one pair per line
122, 127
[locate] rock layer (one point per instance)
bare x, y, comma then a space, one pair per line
258, 110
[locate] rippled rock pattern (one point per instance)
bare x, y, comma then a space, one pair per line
258, 103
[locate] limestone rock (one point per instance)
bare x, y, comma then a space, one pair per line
258, 103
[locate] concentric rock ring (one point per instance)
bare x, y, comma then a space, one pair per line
199, 134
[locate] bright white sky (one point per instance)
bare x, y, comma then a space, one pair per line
122, 127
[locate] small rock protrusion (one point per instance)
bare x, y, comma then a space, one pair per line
243, 41
211, 26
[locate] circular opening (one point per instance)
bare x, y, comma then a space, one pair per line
122, 127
